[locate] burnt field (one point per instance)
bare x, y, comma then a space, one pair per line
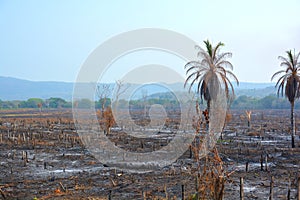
42, 157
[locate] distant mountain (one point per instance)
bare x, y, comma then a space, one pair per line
18, 89
256, 92
246, 85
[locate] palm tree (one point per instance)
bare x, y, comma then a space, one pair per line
290, 83
210, 72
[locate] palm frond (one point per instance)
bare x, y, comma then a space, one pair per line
286, 64
225, 63
215, 50
191, 68
189, 77
290, 57
193, 63
282, 78
201, 87
281, 87
277, 73
221, 70
232, 76
223, 56
197, 47
283, 59
297, 58
224, 82
196, 79
204, 56
209, 48
196, 74
231, 86
198, 70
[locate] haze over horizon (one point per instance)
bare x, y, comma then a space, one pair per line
24, 89
50, 40
113, 82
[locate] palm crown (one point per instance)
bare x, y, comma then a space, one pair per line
289, 82
210, 72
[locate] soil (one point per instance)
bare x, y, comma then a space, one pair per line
42, 157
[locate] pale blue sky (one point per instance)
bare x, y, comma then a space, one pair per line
50, 40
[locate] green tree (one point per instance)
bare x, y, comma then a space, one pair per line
210, 72
54, 102
289, 83
31, 103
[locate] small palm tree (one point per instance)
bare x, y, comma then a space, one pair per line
210, 72
290, 83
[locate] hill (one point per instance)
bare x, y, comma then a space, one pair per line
19, 89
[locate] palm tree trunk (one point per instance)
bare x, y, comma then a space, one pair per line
293, 125
208, 106
208, 109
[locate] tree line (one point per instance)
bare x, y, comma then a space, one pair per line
53, 102
267, 102
240, 102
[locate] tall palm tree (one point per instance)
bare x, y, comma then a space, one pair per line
210, 72
290, 83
